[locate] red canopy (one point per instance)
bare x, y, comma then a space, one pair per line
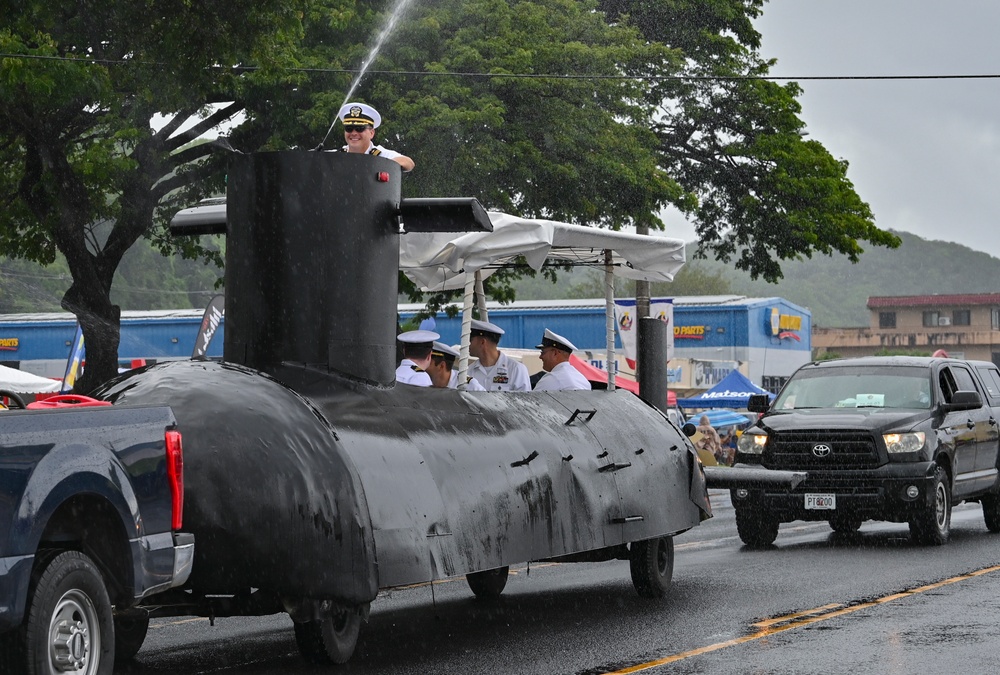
595, 374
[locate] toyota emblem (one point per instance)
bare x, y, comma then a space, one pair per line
822, 450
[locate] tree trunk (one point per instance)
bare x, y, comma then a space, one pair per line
100, 321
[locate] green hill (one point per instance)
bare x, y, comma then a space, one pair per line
831, 287
834, 290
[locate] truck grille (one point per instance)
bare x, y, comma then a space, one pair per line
798, 450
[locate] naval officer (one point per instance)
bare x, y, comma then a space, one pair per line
360, 122
417, 346
560, 373
442, 369
495, 370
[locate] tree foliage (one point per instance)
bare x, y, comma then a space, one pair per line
598, 112
765, 192
79, 84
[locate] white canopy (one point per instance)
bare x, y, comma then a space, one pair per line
20, 382
444, 261
437, 261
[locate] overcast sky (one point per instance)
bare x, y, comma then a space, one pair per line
923, 153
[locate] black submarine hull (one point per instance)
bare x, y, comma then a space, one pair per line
307, 484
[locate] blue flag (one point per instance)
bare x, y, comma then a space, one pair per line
76, 356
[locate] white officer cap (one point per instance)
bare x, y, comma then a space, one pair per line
480, 327
441, 349
551, 339
359, 113
418, 337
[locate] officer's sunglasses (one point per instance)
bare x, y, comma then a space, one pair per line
351, 128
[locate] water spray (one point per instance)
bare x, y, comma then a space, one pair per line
390, 25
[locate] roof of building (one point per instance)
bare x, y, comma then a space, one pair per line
933, 300
595, 303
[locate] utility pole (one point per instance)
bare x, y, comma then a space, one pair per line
641, 286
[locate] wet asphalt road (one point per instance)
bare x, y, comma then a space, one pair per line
814, 603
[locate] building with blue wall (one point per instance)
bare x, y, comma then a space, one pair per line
767, 338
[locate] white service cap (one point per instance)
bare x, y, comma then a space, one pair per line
551, 339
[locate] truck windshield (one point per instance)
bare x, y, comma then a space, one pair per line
856, 387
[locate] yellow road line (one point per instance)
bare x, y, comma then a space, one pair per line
798, 620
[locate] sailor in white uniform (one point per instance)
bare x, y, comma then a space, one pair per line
442, 369
417, 346
560, 373
495, 370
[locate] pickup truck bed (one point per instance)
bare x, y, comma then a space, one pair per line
90, 507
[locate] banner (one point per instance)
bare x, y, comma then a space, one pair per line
626, 322
76, 354
209, 324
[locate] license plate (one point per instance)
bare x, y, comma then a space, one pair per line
821, 502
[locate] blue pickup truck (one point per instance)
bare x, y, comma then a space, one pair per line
91, 505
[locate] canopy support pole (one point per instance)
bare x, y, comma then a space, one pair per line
609, 315
463, 358
481, 297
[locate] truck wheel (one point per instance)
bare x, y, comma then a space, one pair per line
756, 529
652, 565
68, 624
130, 633
991, 512
932, 526
845, 525
330, 640
488, 584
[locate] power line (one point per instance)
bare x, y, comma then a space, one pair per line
532, 76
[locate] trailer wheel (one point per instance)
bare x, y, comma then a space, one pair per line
756, 529
991, 512
68, 624
652, 565
330, 640
932, 526
488, 584
130, 633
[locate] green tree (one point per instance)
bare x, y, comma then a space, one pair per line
765, 192
79, 84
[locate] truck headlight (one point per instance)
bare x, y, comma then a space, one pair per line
909, 442
752, 444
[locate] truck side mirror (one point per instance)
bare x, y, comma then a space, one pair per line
759, 403
964, 400
689, 429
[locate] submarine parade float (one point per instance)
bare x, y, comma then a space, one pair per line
313, 479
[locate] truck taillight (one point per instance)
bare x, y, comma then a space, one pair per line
175, 476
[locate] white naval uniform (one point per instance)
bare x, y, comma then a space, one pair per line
506, 374
471, 385
564, 376
407, 375
378, 151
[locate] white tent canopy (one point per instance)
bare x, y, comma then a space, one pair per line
439, 261
20, 382
444, 261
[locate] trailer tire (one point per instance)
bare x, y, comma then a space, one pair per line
489, 584
756, 529
991, 512
130, 633
932, 526
330, 640
68, 620
651, 563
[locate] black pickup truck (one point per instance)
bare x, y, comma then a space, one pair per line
899, 439
91, 500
